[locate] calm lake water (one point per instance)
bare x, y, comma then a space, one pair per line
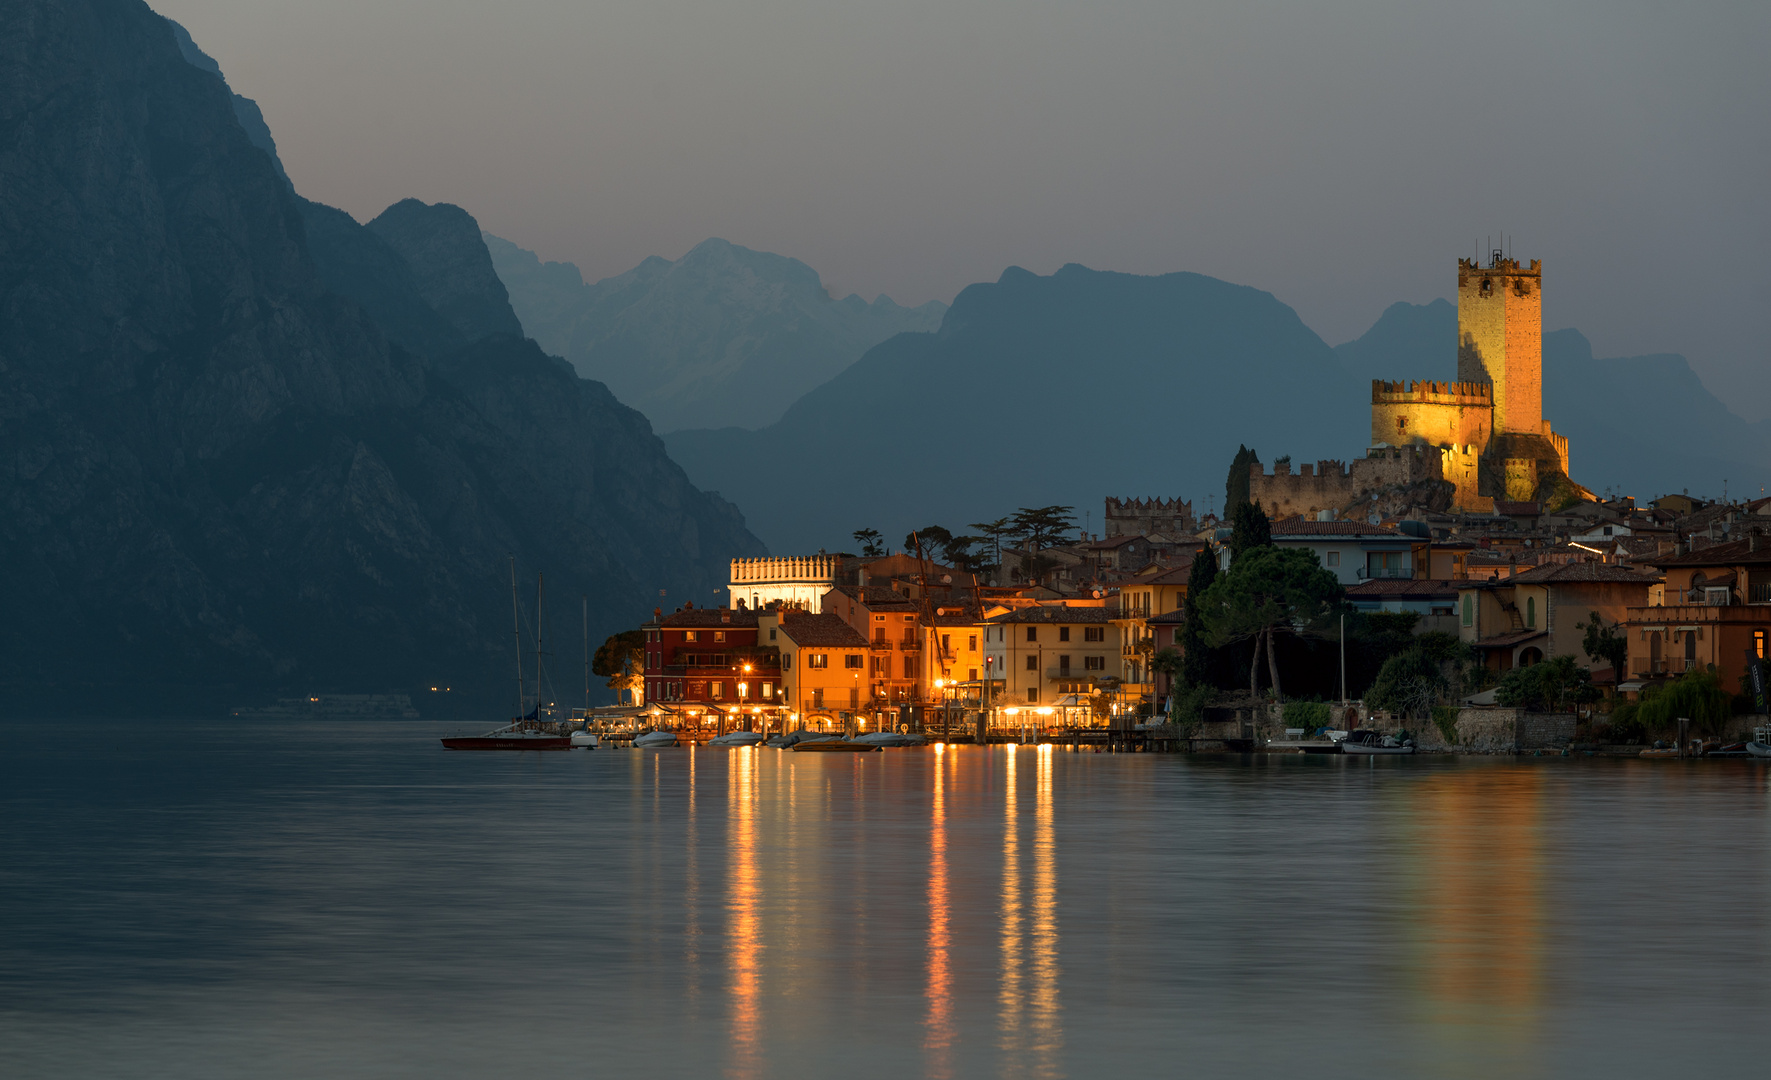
196, 899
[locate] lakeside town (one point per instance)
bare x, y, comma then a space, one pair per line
1453, 588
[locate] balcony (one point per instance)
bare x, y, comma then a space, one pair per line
879, 645
910, 646
1367, 573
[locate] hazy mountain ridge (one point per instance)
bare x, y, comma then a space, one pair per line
1641, 425
724, 335
1038, 389
220, 476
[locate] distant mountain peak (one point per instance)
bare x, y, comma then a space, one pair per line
724, 335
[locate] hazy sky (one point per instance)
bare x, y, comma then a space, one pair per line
1341, 155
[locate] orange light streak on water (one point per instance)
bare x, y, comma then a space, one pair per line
938, 1038
1047, 1024
745, 936
1009, 995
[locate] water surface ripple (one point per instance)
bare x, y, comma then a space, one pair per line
198, 899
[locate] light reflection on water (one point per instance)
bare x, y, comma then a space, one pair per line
343, 899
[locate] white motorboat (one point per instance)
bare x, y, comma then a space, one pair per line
1370, 743
585, 739
1761, 744
794, 738
654, 739
890, 738
736, 738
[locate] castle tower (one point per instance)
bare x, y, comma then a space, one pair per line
1500, 338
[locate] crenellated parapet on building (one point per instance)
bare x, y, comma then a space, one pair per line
1146, 517
1483, 434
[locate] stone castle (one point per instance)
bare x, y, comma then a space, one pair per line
1147, 517
1460, 444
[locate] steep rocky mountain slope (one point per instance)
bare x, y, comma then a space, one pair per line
1038, 390
722, 336
1637, 425
242, 452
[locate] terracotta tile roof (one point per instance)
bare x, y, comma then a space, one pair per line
824, 630
1725, 553
1299, 527
877, 597
1055, 615
1502, 641
696, 617
1582, 572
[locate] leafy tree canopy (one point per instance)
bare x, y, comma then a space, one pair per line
1605, 643
1269, 588
1698, 695
1555, 685
1040, 526
621, 659
871, 548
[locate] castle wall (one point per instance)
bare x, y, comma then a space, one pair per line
1334, 485
1500, 338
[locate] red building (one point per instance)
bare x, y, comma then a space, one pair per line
710, 657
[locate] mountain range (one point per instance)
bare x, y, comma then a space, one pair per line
1037, 390
249, 446
722, 336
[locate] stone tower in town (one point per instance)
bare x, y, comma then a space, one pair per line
1500, 338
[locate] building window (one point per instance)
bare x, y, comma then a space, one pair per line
879, 618
910, 667
1094, 663
1385, 564
879, 666
771, 633
1033, 693
1334, 558
1094, 633
818, 698
879, 634
851, 660
1531, 612
817, 661
854, 698
719, 635
1064, 663
1469, 610
691, 635
1033, 633
971, 644
946, 644
1758, 644
972, 673
1032, 662
909, 618
716, 689
768, 691
1063, 633
787, 662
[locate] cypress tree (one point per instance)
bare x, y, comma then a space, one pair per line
1249, 529
1196, 659
1236, 484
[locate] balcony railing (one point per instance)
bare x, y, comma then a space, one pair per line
910, 646
880, 644
1366, 573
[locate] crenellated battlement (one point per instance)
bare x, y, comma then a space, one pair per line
1477, 395
786, 569
1142, 517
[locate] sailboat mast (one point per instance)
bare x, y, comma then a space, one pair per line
586, 601
516, 623
540, 597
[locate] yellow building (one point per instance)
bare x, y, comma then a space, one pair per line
1158, 591
1039, 653
823, 667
